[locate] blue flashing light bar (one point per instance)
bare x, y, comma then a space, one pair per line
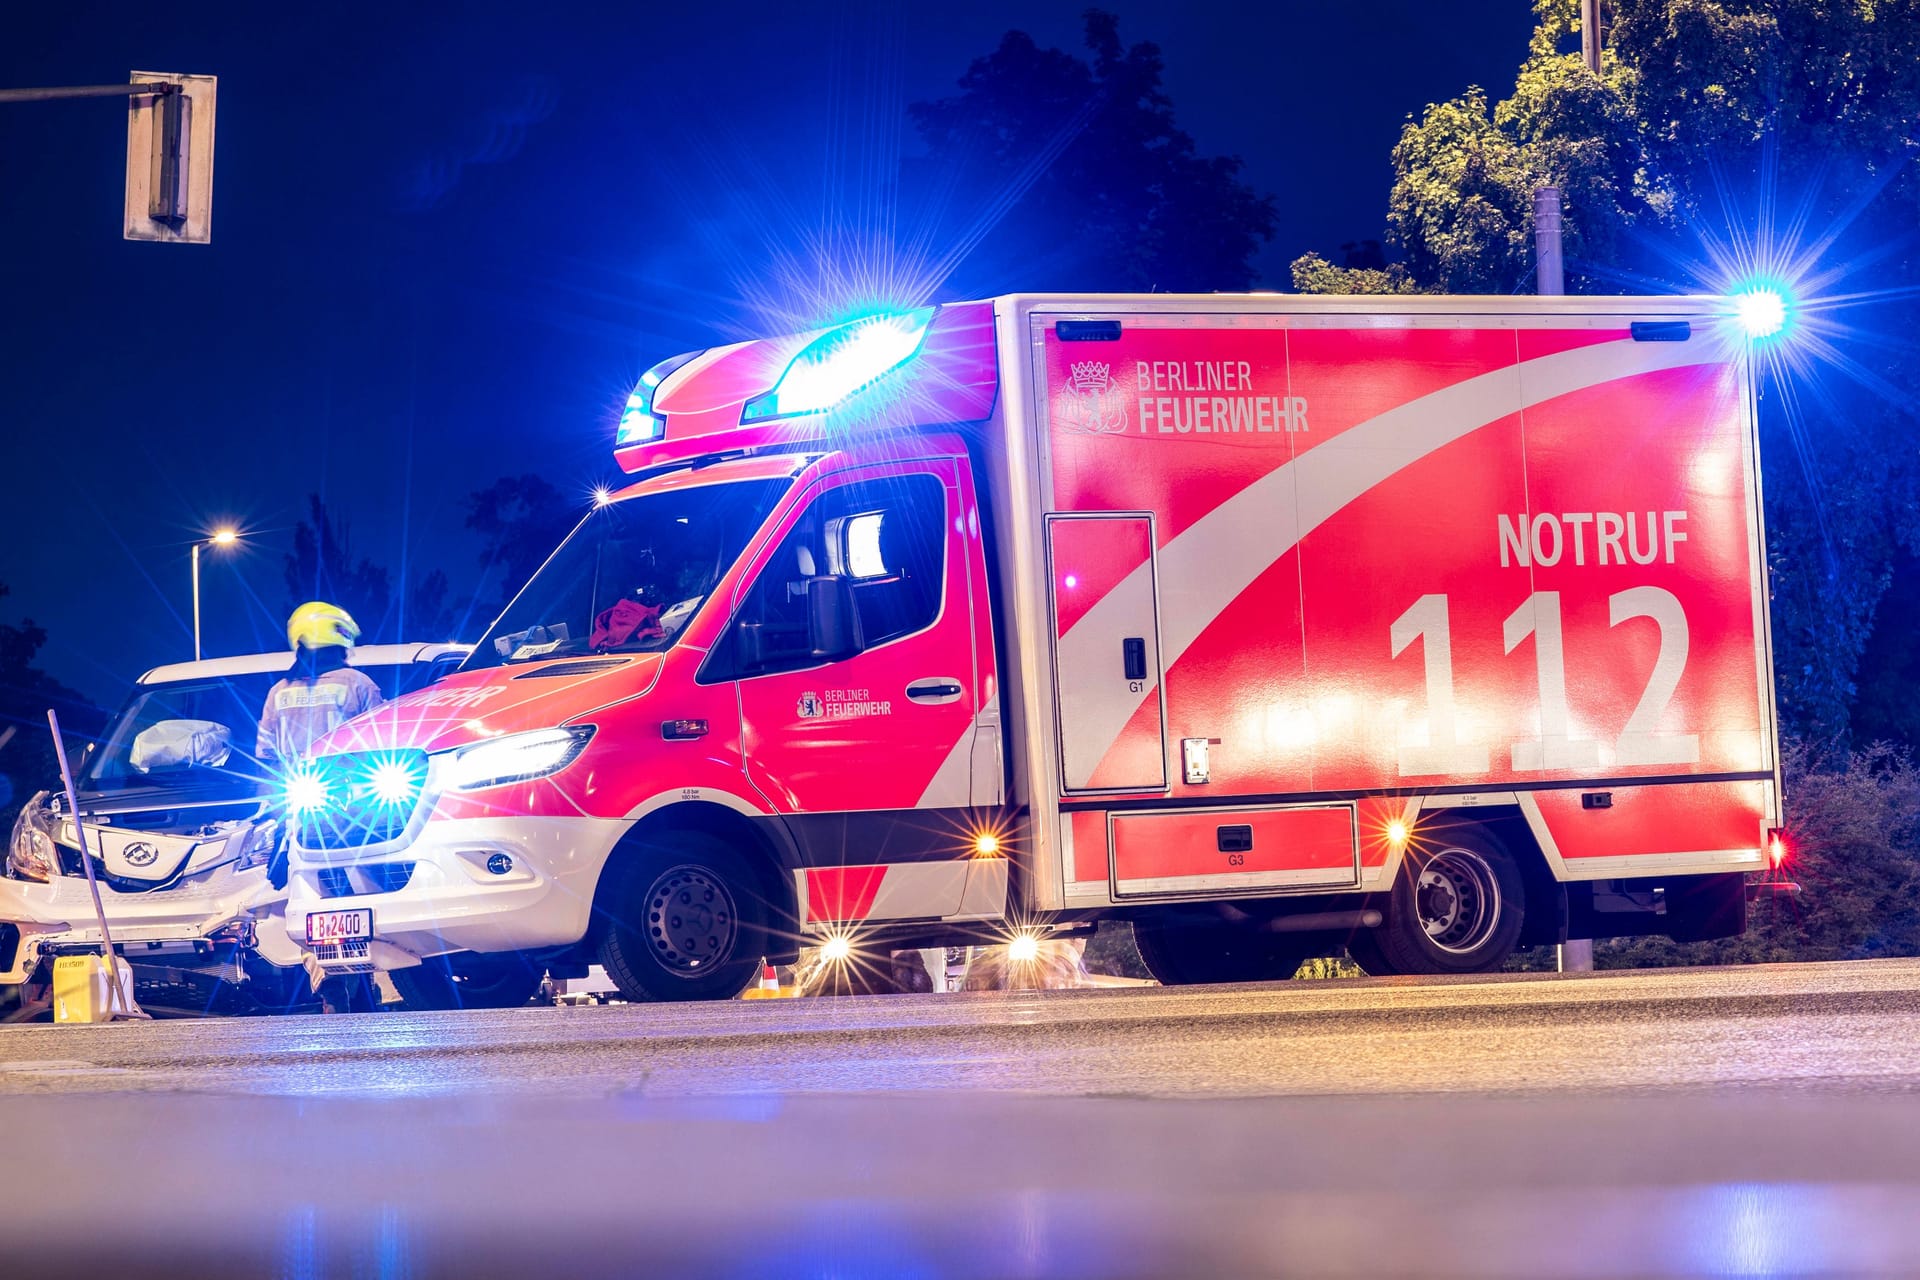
638, 423
840, 363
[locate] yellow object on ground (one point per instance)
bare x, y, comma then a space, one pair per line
81, 992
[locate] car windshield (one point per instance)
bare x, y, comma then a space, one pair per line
632, 575
202, 732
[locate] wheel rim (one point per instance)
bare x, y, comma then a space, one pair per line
1457, 897
691, 922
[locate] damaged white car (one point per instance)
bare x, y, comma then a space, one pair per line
187, 838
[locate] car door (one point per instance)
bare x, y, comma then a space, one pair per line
888, 721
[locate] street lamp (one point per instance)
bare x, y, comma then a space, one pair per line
219, 538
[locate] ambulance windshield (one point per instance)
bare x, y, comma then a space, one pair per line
632, 575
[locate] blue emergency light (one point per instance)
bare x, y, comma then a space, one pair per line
840, 363
1763, 308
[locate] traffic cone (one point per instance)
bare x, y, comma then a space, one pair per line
769, 988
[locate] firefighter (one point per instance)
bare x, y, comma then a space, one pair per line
320, 691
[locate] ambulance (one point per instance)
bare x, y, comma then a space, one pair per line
1423, 627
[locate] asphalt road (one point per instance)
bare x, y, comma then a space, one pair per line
1760, 1121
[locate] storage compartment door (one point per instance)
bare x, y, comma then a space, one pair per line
1106, 654
1238, 851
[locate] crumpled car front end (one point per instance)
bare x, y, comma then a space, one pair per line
194, 895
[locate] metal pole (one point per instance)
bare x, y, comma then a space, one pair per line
1546, 241
1590, 34
1576, 955
115, 998
196, 602
89, 91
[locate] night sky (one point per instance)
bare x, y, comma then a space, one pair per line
447, 238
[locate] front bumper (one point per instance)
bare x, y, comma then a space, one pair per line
476, 884
159, 926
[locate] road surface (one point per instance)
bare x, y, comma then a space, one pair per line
1758, 1121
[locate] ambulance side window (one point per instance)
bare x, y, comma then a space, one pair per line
884, 536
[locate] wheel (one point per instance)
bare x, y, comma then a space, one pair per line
1183, 954
1363, 948
349, 993
1456, 907
683, 922
468, 980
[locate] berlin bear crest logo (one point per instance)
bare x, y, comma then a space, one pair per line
1091, 405
810, 706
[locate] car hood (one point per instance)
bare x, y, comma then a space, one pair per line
476, 705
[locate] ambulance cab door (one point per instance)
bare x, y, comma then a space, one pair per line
1106, 653
853, 648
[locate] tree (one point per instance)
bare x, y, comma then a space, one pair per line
520, 520
1085, 180
321, 567
27, 761
1722, 137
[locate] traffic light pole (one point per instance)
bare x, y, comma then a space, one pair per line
158, 88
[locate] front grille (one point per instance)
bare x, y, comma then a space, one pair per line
353, 815
388, 877
379, 877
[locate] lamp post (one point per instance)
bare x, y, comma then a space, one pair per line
219, 538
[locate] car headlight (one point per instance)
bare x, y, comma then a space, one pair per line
260, 845
516, 758
30, 854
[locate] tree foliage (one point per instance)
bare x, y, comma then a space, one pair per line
1087, 181
520, 520
322, 566
27, 761
1721, 138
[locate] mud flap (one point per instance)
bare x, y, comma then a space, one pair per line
1702, 908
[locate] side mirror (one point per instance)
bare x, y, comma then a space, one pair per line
833, 625
750, 646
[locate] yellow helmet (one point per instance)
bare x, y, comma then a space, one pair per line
317, 624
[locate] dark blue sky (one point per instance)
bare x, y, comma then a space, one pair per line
447, 237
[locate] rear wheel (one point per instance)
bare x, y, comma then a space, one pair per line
1457, 907
685, 921
1181, 955
466, 980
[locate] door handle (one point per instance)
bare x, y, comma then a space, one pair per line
935, 690
1133, 657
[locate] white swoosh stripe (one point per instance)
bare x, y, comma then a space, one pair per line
1204, 569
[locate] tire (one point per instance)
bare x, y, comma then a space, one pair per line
467, 980
685, 921
349, 993
1186, 954
1363, 948
1457, 907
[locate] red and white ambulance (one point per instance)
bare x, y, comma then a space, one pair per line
1427, 627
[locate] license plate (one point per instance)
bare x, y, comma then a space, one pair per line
339, 926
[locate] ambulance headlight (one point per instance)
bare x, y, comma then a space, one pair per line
841, 362
516, 758
307, 791
638, 423
30, 853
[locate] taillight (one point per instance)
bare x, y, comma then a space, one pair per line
1778, 847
